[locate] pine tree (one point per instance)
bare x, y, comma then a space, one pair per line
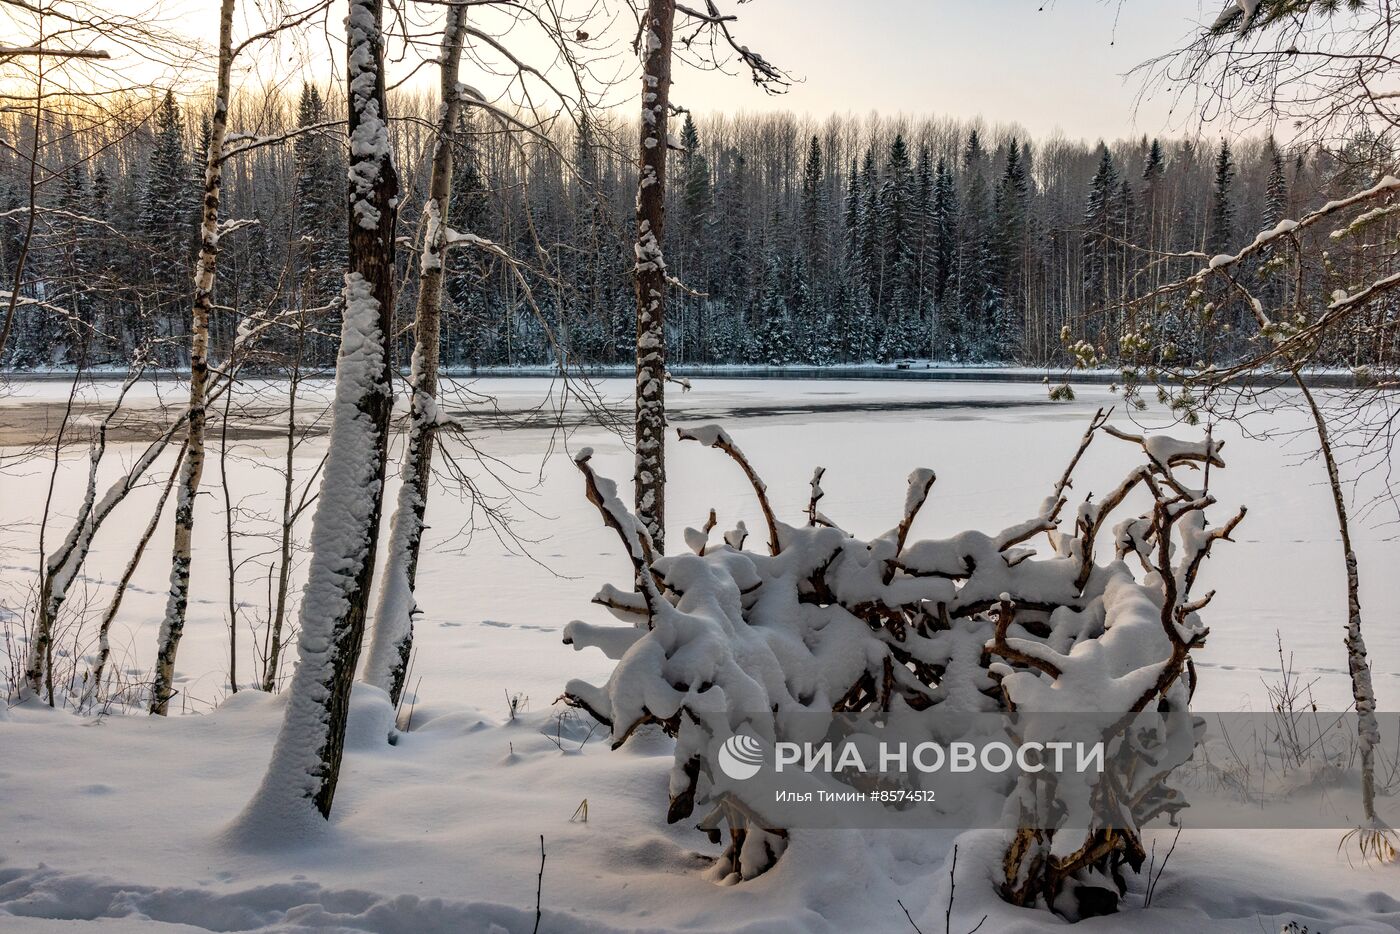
591, 269
1124, 224
1153, 210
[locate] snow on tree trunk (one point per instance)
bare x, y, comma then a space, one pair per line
172, 627
650, 478
301, 778
392, 640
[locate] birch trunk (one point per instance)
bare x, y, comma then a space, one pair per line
301, 778
650, 477
61, 567
1363, 692
172, 627
272, 650
392, 640
104, 644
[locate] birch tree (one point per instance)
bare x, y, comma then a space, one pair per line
650, 476
392, 640
172, 626
301, 778
654, 45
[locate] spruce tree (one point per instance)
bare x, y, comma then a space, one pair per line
898, 286
690, 255
974, 254
853, 210
100, 197
318, 234
923, 233
1012, 205
1100, 216
695, 185
772, 341
870, 256
166, 223
1220, 236
943, 221
737, 285
1154, 165
470, 326
1275, 189
1274, 289
814, 207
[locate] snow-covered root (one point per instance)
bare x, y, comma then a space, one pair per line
724, 639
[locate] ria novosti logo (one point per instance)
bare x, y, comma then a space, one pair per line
740, 757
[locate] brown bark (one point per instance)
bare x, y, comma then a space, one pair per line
374, 191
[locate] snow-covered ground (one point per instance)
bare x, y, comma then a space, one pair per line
120, 819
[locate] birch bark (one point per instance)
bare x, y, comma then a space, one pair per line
172, 626
650, 476
392, 639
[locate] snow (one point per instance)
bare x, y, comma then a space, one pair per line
280, 809
439, 832
369, 141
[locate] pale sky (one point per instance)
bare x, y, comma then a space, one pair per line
1051, 65
1008, 60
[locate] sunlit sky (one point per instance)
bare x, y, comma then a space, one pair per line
1057, 65
1061, 67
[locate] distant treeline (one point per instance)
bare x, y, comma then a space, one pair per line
792, 241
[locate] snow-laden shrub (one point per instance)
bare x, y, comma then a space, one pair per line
725, 638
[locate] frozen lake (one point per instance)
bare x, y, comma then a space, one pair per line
493, 606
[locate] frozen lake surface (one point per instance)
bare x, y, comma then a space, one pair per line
489, 602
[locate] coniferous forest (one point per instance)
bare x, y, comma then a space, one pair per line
844, 241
